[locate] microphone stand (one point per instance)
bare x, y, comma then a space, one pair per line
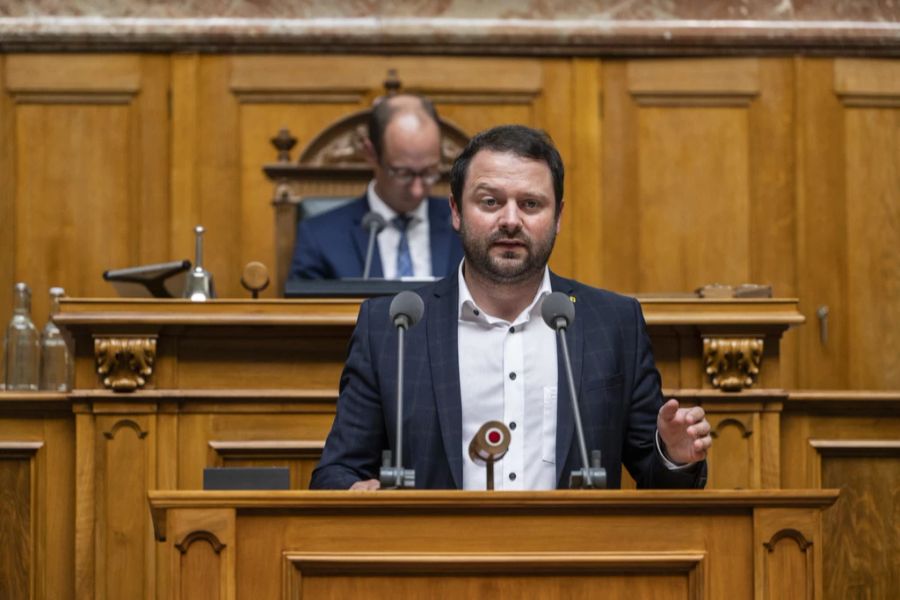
591, 474
396, 477
373, 229
373, 223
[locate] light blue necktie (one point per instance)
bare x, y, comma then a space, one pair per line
404, 258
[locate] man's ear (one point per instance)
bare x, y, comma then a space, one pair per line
369, 151
562, 205
455, 217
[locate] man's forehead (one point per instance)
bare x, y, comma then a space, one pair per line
492, 163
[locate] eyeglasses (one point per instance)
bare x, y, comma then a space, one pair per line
428, 176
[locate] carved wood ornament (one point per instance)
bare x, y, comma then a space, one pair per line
125, 364
732, 363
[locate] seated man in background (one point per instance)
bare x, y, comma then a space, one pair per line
404, 149
484, 353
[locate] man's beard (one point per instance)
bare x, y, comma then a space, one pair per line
503, 269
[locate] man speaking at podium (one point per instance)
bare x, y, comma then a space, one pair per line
482, 352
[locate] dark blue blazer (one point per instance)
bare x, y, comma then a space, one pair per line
333, 245
618, 388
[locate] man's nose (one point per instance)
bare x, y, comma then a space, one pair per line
417, 187
510, 218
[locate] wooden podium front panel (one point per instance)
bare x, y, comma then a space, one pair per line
545, 575
657, 544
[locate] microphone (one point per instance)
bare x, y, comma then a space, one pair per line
406, 310
488, 445
373, 223
558, 313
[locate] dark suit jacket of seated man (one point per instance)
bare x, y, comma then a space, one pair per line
506, 203
333, 245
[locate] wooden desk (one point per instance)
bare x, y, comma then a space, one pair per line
165, 388
635, 545
127, 345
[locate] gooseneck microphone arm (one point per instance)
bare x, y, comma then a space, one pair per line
567, 363
401, 334
374, 224
558, 312
406, 310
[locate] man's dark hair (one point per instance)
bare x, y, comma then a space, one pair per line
517, 139
384, 111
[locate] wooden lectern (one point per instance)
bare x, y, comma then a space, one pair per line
563, 544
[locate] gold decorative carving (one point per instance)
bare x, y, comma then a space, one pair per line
125, 364
732, 363
793, 534
194, 536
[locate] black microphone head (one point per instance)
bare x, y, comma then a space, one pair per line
373, 220
406, 309
557, 310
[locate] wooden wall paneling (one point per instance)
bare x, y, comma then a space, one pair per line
37, 495
201, 555
85, 494
848, 145
736, 439
235, 431
184, 197
584, 173
619, 147
91, 163
263, 361
7, 199
55, 464
125, 471
192, 451
555, 109
821, 221
693, 172
869, 91
787, 554
18, 520
685, 168
167, 451
863, 554
217, 153
151, 163
848, 440
772, 224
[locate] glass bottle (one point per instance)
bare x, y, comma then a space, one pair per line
23, 346
56, 356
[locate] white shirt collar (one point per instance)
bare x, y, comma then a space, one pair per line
376, 204
469, 311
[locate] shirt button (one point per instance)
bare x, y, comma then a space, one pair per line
512, 329
512, 476
476, 312
512, 375
512, 426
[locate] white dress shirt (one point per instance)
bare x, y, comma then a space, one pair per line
508, 373
418, 234
491, 350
